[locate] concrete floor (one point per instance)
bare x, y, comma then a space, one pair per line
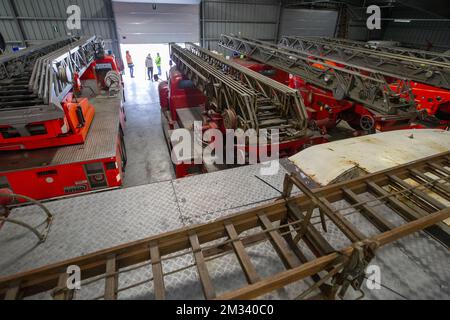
148, 157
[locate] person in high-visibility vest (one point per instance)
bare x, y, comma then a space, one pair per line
130, 64
158, 63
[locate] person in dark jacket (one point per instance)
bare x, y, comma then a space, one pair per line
149, 66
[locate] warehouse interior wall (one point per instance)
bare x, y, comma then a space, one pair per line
427, 29
308, 22
254, 18
266, 20
356, 27
426, 35
428, 32
28, 22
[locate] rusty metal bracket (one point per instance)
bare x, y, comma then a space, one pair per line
348, 270
355, 265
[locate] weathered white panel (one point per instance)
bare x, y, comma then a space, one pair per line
328, 163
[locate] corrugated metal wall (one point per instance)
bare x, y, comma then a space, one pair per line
357, 29
42, 20
257, 19
433, 35
424, 30
46, 19
306, 22
9, 25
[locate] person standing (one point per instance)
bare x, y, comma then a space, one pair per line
149, 66
158, 63
130, 64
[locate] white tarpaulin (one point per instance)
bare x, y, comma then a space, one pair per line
344, 159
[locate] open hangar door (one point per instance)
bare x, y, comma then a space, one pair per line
305, 22
147, 26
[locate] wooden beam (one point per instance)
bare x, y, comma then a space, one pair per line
46, 278
288, 257
158, 276
313, 238
440, 232
111, 281
205, 279
406, 212
289, 276
438, 168
434, 185
378, 220
323, 204
63, 293
304, 225
422, 195
13, 292
244, 260
347, 228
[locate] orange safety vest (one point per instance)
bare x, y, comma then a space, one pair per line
129, 60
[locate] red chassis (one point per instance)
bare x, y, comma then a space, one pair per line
325, 111
178, 93
68, 179
69, 130
96, 162
64, 171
